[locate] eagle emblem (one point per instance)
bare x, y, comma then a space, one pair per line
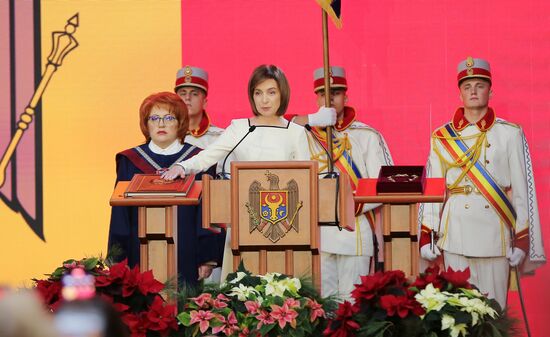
273, 212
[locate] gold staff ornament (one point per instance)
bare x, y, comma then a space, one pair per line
62, 44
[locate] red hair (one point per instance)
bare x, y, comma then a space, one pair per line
173, 103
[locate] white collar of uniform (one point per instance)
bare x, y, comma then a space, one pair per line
173, 148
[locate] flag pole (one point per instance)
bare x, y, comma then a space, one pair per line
326, 66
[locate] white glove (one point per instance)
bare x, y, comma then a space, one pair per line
515, 256
428, 254
323, 117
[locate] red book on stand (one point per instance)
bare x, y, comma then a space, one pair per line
152, 185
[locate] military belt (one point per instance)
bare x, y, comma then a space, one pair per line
464, 190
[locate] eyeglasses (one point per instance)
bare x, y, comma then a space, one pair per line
167, 119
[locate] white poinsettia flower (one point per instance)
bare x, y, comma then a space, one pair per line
459, 329
269, 277
471, 293
240, 276
431, 298
447, 322
458, 301
475, 318
275, 288
482, 308
492, 312
293, 285
242, 292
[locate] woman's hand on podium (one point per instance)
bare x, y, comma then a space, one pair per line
174, 172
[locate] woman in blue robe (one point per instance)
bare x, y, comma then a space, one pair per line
164, 123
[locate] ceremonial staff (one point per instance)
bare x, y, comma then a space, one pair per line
326, 66
62, 44
516, 270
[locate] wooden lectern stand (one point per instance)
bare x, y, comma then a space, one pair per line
400, 221
274, 210
157, 228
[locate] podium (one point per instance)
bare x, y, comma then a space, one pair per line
274, 210
400, 220
157, 228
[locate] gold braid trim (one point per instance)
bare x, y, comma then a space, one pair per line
339, 146
468, 159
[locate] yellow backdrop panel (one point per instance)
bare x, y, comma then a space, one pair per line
128, 49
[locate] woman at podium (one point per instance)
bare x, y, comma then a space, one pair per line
266, 136
164, 123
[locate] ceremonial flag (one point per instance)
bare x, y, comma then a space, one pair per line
332, 7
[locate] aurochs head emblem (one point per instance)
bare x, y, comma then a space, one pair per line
273, 212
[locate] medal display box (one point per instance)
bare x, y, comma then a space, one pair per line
401, 179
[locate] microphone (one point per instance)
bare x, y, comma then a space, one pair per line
223, 175
329, 174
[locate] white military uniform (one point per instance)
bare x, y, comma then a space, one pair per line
202, 137
469, 230
265, 143
345, 256
205, 135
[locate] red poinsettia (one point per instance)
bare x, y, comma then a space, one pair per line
49, 291
343, 325
137, 323
133, 294
431, 275
459, 279
162, 317
400, 305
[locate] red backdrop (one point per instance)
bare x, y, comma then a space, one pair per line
401, 59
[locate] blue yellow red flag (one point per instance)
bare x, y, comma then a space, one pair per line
332, 7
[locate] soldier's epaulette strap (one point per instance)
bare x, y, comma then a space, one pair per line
214, 130
440, 128
362, 126
505, 122
521, 240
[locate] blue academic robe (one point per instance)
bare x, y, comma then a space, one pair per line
195, 244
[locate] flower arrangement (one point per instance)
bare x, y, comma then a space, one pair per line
135, 295
438, 303
256, 305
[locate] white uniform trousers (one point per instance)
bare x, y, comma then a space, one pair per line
489, 274
339, 273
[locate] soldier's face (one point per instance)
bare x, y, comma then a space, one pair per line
475, 93
194, 98
338, 99
267, 98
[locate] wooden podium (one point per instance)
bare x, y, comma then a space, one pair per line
157, 228
400, 221
274, 210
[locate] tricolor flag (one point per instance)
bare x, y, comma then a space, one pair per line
332, 7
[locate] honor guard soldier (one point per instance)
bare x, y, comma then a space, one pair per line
358, 152
490, 220
192, 87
